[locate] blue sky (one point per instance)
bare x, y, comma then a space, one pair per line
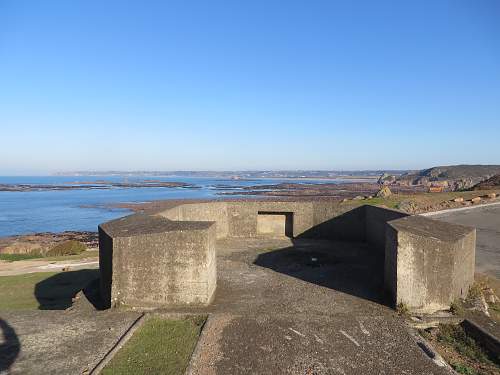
248, 84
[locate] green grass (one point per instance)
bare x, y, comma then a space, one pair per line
16, 257
42, 290
463, 369
389, 202
160, 346
455, 337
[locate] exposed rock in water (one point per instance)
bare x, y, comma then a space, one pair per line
384, 192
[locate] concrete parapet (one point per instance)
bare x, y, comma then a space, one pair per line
240, 219
168, 258
428, 263
149, 261
376, 219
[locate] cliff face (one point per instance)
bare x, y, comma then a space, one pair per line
454, 177
490, 183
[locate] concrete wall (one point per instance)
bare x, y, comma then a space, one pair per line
239, 219
210, 211
336, 221
376, 219
428, 263
149, 261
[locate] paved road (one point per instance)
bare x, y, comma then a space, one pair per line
487, 222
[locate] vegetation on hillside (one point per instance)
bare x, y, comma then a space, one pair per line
70, 247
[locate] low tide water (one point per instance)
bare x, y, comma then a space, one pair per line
83, 209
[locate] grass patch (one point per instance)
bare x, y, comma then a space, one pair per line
464, 369
388, 202
16, 257
461, 351
43, 290
455, 337
160, 346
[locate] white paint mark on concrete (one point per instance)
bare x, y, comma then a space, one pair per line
288, 337
350, 338
297, 332
363, 329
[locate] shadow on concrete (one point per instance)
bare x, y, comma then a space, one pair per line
348, 267
349, 226
9, 347
57, 292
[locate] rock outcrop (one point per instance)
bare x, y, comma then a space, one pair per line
386, 179
452, 178
384, 192
490, 183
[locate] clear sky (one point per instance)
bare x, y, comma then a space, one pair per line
268, 84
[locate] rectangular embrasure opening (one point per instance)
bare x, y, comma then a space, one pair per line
275, 224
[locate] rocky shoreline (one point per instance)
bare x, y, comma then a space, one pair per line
340, 191
40, 243
101, 185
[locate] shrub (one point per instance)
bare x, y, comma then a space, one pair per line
71, 247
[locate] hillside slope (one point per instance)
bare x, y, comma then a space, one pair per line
451, 177
490, 183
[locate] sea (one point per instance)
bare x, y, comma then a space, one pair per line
84, 209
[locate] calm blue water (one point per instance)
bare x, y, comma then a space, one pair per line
57, 211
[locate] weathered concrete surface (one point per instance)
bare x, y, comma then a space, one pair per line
240, 219
278, 224
376, 219
149, 261
60, 342
210, 211
276, 312
428, 263
487, 222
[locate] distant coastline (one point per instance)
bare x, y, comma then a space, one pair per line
242, 175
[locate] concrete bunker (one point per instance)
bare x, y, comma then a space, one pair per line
168, 258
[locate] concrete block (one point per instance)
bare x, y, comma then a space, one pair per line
428, 263
150, 261
376, 219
